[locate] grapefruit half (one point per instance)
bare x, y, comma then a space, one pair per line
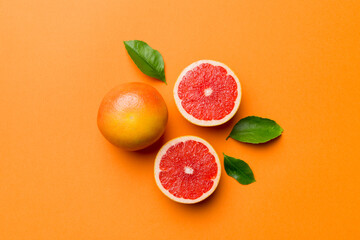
187, 169
207, 93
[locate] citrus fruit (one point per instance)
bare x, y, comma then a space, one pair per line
132, 116
187, 169
207, 93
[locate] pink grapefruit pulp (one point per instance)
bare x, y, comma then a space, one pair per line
187, 169
207, 93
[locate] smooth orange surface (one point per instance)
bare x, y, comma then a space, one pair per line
298, 63
132, 116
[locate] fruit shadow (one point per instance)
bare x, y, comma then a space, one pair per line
143, 158
147, 152
153, 148
224, 129
204, 205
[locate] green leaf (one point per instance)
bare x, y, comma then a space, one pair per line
255, 130
148, 60
239, 170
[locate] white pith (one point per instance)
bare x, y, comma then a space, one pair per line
157, 169
207, 123
208, 92
188, 170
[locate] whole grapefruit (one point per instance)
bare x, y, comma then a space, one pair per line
132, 116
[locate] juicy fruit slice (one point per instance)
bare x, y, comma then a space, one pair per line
187, 169
207, 93
132, 116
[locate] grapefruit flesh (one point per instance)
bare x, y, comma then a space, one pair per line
132, 116
207, 93
187, 169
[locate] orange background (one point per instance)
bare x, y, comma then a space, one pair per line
298, 62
